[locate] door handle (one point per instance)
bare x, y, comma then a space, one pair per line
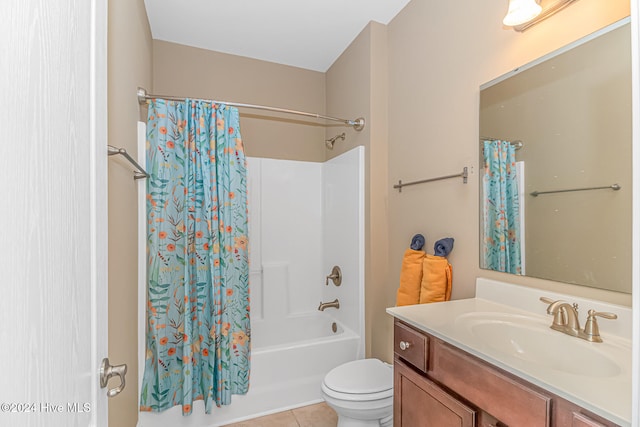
107, 371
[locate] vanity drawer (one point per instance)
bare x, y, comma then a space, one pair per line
508, 400
411, 346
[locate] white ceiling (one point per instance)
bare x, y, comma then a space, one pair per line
309, 34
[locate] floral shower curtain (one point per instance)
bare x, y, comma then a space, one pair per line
501, 216
197, 339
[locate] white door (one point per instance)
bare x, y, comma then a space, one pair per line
53, 205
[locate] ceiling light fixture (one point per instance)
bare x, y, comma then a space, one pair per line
519, 9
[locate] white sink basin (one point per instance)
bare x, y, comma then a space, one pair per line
531, 340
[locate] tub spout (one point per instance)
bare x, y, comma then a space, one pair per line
325, 305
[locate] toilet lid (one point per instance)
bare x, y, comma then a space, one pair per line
364, 376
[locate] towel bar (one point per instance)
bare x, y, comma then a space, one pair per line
614, 187
464, 176
140, 173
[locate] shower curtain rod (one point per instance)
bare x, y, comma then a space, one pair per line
358, 124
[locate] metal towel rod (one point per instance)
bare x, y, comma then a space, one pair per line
140, 173
464, 176
614, 187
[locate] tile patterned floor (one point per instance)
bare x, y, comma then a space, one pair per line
319, 415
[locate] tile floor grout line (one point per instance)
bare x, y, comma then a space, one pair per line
299, 416
295, 418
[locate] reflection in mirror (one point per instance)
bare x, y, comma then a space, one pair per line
555, 143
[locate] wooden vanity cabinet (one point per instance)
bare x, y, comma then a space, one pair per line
437, 384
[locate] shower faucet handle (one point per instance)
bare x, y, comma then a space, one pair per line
335, 276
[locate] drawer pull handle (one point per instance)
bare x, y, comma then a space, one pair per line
404, 345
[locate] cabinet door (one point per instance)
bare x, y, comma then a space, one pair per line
419, 402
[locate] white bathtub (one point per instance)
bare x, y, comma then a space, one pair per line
292, 330
290, 356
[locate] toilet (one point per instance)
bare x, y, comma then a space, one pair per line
361, 393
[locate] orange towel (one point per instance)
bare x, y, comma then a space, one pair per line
410, 278
437, 275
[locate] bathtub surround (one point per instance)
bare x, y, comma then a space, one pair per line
304, 219
285, 211
343, 238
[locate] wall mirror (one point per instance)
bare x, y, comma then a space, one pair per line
555, 165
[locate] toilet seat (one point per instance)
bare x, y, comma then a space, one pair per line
355, 397
360, 380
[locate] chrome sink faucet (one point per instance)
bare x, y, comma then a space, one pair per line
565, 320
333, 304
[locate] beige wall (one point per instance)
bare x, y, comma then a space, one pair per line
129, 66
185, 71
438, 58
357, 86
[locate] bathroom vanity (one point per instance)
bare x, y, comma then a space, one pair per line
478, 362
437, 384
